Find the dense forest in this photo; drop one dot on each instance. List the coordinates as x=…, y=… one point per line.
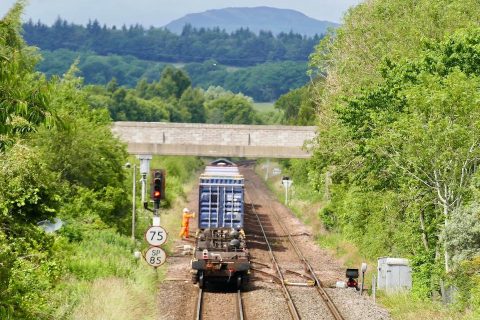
x=240, y=48
x=397, y=153
x=263, y=82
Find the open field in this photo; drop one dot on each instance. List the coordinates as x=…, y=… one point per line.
x=264, y=106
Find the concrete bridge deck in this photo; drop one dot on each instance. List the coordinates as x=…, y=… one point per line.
x=215, y=140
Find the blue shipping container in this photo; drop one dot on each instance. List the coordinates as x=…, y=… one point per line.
x=220, y=202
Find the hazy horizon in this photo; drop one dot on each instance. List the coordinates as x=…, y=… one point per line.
x=159, y=13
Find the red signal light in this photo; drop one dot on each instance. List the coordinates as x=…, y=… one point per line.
x=158, y=186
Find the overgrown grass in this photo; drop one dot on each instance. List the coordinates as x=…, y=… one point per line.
x=103, y=278
x=404, y=307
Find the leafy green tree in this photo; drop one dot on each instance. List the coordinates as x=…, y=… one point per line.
x=24, y=95
x=29, y=194
x=193, y=101
x=173, y=82
x=43, y=169
x=377, y=30
x=230, y=108
x=297, y=107
x=462, y=233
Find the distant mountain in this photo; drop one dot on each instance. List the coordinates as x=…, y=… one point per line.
x=256, y=19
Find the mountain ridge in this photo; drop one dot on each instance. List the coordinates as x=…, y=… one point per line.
x=256, y=19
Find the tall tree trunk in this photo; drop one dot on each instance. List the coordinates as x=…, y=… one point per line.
x=445, y=251
x=424, y=232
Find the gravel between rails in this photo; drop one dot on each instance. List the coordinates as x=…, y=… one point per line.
x=219, y=303
x=309, y=305
x=263, y=300
x=306, y=299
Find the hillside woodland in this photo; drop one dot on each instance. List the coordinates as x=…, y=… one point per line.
x=239, y=48
x=263, y=82
x=260, y=65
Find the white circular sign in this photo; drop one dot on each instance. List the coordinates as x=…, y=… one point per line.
x=156, y=236
x=287, y=183
x=155, y=256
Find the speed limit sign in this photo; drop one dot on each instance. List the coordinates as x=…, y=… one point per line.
x=156, y=236
x=155, y=256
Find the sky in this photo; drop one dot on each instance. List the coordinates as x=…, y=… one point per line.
x=160, y=12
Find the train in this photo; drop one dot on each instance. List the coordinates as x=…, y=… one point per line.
x=220, y=251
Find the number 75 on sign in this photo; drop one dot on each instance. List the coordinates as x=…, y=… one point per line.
x=156, y=236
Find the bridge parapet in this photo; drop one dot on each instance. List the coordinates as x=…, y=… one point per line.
x=216, y=140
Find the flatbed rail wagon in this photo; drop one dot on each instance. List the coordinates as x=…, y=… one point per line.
x=220, y=251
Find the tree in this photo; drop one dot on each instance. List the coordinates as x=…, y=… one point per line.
x=297, y=107
x=193, y=100
x=230, y=108
x=173, y=82
x=30, y=192
x=24, y=95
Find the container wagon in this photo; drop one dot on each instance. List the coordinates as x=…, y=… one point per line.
x=220, y=251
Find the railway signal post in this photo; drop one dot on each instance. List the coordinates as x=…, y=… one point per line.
x=156, y=235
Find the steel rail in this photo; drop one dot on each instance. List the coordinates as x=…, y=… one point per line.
x=291, y=306
x=198, y=312
x=318, y=284
x=239, y=305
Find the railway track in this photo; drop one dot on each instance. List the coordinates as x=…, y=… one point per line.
x=317, y=285
x=204, y=296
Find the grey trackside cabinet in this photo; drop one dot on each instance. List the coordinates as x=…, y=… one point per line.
x=394, y=274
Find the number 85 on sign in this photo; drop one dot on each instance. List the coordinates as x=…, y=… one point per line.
x=155, y=256
x=156, y=236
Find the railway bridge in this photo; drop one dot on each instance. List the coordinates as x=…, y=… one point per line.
x=215, y=140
